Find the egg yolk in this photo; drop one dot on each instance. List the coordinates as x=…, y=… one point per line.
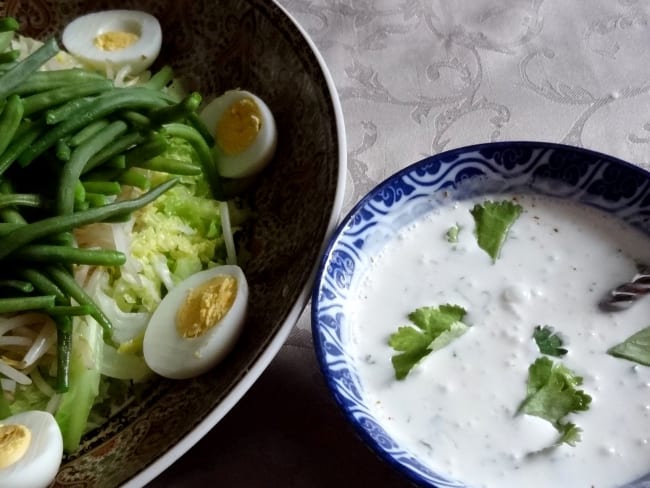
x=114, y=41
x=239, y=126
x=14, y=441
x=205, y=306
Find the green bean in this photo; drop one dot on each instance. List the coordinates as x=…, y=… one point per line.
x=10, y=215
x=160, y=79
x=63, y=151
x=79, y=193
x=154, y=146
x=104, y=173
x=72, y=169
x=103, y=187
x=19, y=145
x=24, y=286
x=5, y=40
x=133, y=177
x=136, y=119
x=47, y=80
x=21, y=199
x=63, y=351
x=69, y=310
x=42, y=283
x=135, y=98
x=171, y=166
x=46, y=253
x=74, y=290
x=120, y=145
x=10, y=118
x=88, y=131
x=204, y=153
x=6, y=227
x=195, y=121
x=178, y=111
x=96, y=199
x=79, y=206
x=21, y=304
x=8, y=24
x=61, y=95
x=9, y=56
x=61, y=223
x=19, y=73
x=58, y=114
x=117, y=162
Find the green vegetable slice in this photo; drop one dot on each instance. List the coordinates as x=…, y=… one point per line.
x=493, y=221
x=552, y=394
x=548, y=342
x=436, y=327
x=635, y=348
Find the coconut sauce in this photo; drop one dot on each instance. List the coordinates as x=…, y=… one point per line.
x=456, y=410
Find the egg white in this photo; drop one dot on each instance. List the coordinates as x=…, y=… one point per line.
x=172, y=356
x=40, y=463
x=78, y=39
x=254, y=158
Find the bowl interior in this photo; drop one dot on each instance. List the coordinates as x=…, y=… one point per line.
x=214, y=46
x=579, y=175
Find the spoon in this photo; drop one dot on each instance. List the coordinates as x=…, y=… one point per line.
x=623, y=296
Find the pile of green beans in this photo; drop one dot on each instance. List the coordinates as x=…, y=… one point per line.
x=69, y=141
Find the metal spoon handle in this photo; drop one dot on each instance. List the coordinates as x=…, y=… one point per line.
x=623, y=296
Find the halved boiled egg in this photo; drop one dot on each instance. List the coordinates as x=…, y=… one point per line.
x=244, y=131
x=197, y=323
x=31, y=447
x=112, y=39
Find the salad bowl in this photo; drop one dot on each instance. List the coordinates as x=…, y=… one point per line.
x=214, y=46
x=383, y=220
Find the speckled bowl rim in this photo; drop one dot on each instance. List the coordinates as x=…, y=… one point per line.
x=262, y=362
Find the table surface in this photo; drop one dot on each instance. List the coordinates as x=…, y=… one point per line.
x=417, y=77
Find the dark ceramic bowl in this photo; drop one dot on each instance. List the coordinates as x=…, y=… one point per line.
x=214, y=46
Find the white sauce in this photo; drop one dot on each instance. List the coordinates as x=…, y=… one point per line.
x=456, y=408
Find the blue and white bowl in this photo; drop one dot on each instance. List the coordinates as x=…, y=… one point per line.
x=562, y=171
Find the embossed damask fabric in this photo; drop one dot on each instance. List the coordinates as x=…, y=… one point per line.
x=417, y=77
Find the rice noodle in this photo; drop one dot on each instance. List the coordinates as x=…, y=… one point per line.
x=15, y=341
x=8, y=385
x=8, y=324
x=228, y=239
x=41, y=384
x=14, y=374
x=53, y=403
x=43, y=342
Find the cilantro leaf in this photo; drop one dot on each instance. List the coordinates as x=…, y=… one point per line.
x=548, y=342
x=569, y=434
x=635, y=348
x=552, y=394
x=436, y=327
x=452, y=233
x=493, y=221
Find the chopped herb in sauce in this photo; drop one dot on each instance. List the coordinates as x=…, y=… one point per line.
x=493, y=221
x=635, y=348
x=548, y=341
x=435, y=328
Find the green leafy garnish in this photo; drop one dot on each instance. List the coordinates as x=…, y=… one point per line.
x=635, y=348
x=552, y=394
x=452, y=233
x=436, y=327
x=548, y=342
x=493, y=221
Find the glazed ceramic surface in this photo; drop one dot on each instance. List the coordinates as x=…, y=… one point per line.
x=561, y=171
x=214, y=46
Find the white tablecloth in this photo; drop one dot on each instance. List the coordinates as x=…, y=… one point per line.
x=417, y=77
